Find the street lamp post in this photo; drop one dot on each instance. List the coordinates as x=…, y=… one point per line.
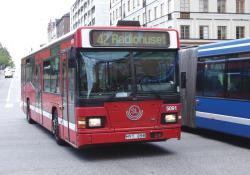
x=145, y=7
x=121, y=11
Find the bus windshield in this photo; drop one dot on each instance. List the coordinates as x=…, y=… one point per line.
x=123, y=73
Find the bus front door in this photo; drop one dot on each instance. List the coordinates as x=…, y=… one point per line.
x=39, y=93
x=65, y=113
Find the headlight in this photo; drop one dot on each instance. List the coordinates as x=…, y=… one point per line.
x=95, y=122
x=168, y=118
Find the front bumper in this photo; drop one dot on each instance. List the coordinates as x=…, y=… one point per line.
x=118, y=137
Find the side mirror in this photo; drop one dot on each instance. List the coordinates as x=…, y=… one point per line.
x=72, y=57
x=72, y=53
x=183, y=80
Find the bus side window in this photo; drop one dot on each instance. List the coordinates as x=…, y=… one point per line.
x=214, y=79
x=238, y=77
x=55, y=71
x=46, y=76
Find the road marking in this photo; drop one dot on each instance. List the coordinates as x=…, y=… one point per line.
x=8, y=104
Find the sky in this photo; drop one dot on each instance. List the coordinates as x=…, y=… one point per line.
x=23, y=23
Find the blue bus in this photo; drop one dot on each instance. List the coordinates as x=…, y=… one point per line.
x=217, y=94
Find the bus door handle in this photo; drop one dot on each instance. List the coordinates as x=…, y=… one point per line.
x=61, y=107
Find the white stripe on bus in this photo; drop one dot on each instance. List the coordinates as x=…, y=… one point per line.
x=48, y=115
x=224, y=47
x=226, y=118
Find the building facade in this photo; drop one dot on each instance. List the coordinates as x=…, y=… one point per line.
x=198, y=21
x=58, y=27
x=89, y=13
x=51, y=30
x=63, y=25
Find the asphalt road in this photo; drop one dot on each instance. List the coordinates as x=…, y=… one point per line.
x=30, y=149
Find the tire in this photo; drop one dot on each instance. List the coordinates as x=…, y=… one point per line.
x=28, y=114
x=55, y=129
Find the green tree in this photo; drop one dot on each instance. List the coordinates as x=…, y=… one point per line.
x=5, y=58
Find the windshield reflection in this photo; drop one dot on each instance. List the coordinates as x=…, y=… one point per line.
x=111, y=74
x=105, y=72
x=155, y=71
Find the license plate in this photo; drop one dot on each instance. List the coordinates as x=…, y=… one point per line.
x=135, y=136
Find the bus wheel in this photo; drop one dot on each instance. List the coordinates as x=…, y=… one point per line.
x=55, y=128
x=28, y=113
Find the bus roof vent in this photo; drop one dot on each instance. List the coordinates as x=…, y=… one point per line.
x=128, y=23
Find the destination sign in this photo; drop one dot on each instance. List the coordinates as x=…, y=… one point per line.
x=142, y=39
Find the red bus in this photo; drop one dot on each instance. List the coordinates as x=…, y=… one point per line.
x=100, y=85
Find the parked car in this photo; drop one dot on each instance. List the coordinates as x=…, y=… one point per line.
x=8, y=73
